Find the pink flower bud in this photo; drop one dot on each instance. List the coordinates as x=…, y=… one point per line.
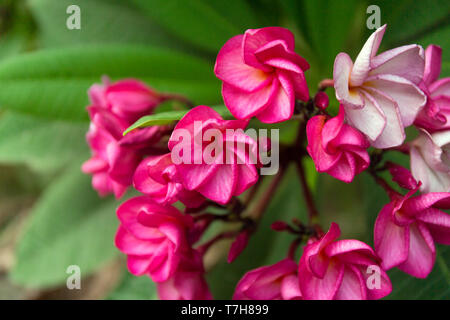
x=238, y=245
x=336, y=148
x=402, y=176
x=262, y=75
x=321, y=100
x=338, y=270
x=279, y=226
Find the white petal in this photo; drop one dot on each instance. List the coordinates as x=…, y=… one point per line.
x=362, y=62
x=409, y=98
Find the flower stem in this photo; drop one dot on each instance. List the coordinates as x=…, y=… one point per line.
x=313, y=213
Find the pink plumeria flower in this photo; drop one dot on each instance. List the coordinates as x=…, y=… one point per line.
x=341, y=270
x=262, y=75
x=111, y=165
x=406, y=229
x=231, y=171
x=128, y=99
x=430, y=161
x=336, y=148
x=188, y=282
x=153, y=236
x=274, y=282
x=380, y=93
x=157, y=177
x=436, y=114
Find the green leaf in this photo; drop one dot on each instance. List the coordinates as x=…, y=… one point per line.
x=168, y=117
x=101, y=22
x=38, y=143
x=69, y=225
x=409, y=20
x=266, y=246
x=435, y=287
x=134, y=288
x=53, y=83
x=207, y=24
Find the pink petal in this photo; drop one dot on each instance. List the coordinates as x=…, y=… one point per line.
x=393, y=133
x=314, y=288
x=346, y=246
x=433, y=56
x=409, y=98
x=130, y=245
x=222, y=185
x=277, y=55
x=244, y=105
x=281, y=106
x=438, y=223
x=230, y=67
x=362, y=64
x=341, y=75
x=138, y=265
x=239, y=244
x=290, y=289
x=421, y=252
x=440, y=88
x=256, y=38
x=353, y=286
x=406, y=62
x=370, y=120
x=391, y=241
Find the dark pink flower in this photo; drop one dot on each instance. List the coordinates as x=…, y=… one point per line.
x=153, y=236
x=274, y=282
x=188, y=282
x=220, y=166
x=128, y=99
x=262, y=75
x=341, y=270
x=406, y=229
x=115, y=157
x=157, y=177
x=336, y=148
x=436, y=114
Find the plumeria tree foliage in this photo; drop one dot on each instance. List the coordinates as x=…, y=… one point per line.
x=355, y=210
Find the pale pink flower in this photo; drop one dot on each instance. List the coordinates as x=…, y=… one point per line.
x=380, y=93
x=274, y=282
x=406, y=229
x=188, y=282
x=157, y=177
x=339, y=270
x=436, y=114
x=336, y=148
x=430, y=161
x=262, y=75
x=233, y=168
x=154, y=237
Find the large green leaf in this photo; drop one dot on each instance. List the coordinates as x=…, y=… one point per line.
x=39, y=143
x=101, y=22
x=53, y=83
x=207, y=24
x=134, y=288
x=69, y=225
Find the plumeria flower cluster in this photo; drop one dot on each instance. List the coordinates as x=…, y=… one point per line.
x=162, y=231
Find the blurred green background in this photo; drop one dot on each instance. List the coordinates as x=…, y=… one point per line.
x=51, y=218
